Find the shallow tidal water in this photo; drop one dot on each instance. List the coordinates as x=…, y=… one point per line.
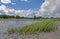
x=5, y=24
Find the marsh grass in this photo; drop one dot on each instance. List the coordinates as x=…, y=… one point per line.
x=45, y=25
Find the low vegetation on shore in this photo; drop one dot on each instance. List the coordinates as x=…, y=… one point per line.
x=4, y=16
x=45, y=25
x=12, y=16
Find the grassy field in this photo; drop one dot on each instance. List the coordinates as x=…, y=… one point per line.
x=45, y=25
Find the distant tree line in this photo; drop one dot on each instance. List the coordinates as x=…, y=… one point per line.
x=38, y=17
x=12, y=16
x=8, y=16
x=19, y=17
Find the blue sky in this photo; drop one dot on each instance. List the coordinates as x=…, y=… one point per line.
x=24, y=5
x=29, y=8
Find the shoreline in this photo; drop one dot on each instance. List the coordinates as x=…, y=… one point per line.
x=43, y=35
x=13, y=19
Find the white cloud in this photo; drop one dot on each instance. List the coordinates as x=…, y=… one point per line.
x=23, y=12
x=6, y=1
x=9, y=11
x=50, y=7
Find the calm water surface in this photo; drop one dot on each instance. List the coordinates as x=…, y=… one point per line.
x=5, y=24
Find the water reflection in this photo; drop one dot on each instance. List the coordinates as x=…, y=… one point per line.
x=13, y=24
x=5, y=24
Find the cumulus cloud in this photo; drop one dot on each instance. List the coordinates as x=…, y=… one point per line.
x=24, y=13
x=50, y=8
x=9, y=11
x=6, y=1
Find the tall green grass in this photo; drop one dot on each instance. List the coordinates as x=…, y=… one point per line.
x=45, y=25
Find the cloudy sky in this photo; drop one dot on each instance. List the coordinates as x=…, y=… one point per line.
x=29, y=8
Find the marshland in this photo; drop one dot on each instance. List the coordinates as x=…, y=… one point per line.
x=29, y=28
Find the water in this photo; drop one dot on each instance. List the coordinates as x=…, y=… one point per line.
x=5, y=24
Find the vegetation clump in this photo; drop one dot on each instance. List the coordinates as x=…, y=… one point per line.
x=46, y=25
x=17, y=17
